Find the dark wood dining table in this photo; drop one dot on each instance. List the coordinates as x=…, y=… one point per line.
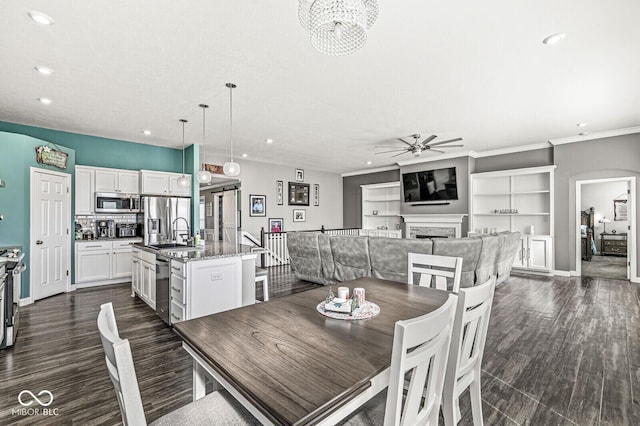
x=289, y=364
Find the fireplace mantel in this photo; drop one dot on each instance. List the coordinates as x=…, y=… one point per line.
x=437, y=225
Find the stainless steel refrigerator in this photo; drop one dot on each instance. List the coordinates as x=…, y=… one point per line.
x=166, y=219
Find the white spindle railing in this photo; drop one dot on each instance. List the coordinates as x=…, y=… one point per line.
x=276, y=249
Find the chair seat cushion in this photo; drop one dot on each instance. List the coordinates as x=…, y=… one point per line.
x=217, y=408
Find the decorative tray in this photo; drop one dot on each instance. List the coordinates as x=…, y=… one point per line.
x=367, y=310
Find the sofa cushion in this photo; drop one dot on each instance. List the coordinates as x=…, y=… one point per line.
x=305, y=256
x=509, y=243
x=466, y=248
x=351, y=257
x=389, y=256
x=487, y=263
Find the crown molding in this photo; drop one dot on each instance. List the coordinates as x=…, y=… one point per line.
x=598, y=135
x=439, y=157
x=511, y=150
x=369, y=171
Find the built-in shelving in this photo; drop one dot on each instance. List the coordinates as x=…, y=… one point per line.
x=381, y=206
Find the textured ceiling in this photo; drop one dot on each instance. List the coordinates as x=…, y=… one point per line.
x=476, y=70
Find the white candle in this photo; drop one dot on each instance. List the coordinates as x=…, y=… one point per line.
x=343, y=292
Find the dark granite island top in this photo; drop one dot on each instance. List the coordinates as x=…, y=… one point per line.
x=210, y=250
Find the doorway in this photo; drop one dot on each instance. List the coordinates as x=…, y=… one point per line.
x=50, y=240
x=605, y=243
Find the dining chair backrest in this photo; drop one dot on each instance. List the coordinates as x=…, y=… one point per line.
x=420, y=347
x=467, y=347
x=435, y=271
x=121, y=370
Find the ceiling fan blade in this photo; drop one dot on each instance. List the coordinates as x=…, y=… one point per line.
x=403, y=141
x=443, y=142
x=399, y=154
x=393, y=150
x=434, y=150
x=427, y=140
x=451, y=146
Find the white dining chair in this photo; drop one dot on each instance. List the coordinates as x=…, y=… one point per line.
x=217, y=408
x=434, y=271
x=262, y=275
x=467, y=347
x=420, y=350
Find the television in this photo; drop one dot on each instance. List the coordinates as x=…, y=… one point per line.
x=430, y=185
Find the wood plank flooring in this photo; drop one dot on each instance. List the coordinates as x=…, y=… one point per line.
x=560, y=351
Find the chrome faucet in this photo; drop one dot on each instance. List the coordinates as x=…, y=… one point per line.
x=175, y=232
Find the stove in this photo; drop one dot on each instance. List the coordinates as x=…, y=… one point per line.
x=11, y=262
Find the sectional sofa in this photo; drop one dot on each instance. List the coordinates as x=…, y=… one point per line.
x=329, y=259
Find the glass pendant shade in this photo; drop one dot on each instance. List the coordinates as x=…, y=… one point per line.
x=337, y=27
x=183, y=181
x=203, y=175
x=231, y=168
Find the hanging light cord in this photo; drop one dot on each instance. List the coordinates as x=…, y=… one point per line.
x=204, y=107
x=183, y=121
x=231, y=120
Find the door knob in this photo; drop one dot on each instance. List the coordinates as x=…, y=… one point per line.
x=39, y=242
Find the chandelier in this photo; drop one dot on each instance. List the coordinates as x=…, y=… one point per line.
x=337, y=27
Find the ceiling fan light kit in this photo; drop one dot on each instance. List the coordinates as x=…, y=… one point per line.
x=417, y=148
x=337, y=27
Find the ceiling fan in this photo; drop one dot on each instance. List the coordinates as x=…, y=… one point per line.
x=417, y=148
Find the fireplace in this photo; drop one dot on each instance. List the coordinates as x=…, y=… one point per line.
x=433, y=225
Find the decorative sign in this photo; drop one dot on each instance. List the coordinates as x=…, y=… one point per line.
x=46, y=155
x=215, y=169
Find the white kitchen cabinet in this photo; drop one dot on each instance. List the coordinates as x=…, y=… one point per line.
x=143, y=282
x=104, y=262
x=163, y=183
x=85, y=189
x=148, y=288
x=116, y=180
x=534, y=254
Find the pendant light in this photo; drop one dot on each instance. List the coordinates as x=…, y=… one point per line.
x=231, y=168
x=204, y=176
x=183, y=181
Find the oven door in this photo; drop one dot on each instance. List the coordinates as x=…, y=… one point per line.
x=117, y=203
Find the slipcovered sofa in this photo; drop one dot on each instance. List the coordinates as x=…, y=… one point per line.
x=329, y=259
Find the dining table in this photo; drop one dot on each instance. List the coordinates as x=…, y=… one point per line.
x=289, y=364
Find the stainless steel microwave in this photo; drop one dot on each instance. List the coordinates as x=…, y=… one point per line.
x=107, y=202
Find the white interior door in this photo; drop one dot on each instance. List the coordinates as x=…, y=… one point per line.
x=229, y=217
x=50, y=241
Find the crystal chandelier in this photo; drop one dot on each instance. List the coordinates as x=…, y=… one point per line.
x=337, y=27
x=231, y=168
x=204, y=176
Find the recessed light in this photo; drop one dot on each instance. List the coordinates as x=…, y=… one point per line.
x=244, y=155
x=41, y=18
x=581, y=124
x=45, y=101
x=268, y=140
x=368, y=163
x=146, y=132
x=44, y=70
x=554, y=38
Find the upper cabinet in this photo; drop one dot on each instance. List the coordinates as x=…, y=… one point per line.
x=120, y=181
x=163, y=183
x=85, y=184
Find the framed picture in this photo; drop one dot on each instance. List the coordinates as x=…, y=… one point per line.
x=258, y=205
x=276, y=224
x=299, y=175
x=299, y=215
x=620, y=210
x=280, y=192
x=298, y=194
x=316, y=194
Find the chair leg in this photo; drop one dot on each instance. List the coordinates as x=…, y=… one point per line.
x=448, y=410
x=476, y=400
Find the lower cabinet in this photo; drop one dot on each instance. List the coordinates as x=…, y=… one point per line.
x=103, y=262
x=534, y=253
x=143, y=279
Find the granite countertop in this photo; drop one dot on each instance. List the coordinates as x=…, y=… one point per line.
x=211, y=250
x=101, y=240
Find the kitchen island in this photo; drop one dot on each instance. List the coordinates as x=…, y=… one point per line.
x=183, y=283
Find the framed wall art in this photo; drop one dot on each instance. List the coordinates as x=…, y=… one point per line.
x=299, y=215
x=276, y=224
x=299, y=175
x=257, y=205
x=298, y=194
x=316, y=194
x=620, y=210
x=280, y=192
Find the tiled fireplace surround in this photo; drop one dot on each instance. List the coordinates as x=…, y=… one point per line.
x=433, y=225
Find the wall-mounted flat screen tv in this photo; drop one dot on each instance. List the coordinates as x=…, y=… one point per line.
x=430, y=185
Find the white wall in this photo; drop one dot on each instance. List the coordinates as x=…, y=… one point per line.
x=600, y=196
x=260, y=179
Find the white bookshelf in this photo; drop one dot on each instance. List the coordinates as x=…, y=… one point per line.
x=381, y=207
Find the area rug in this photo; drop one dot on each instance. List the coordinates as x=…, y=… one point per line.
x=613, y=267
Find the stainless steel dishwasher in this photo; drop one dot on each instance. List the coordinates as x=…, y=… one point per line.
x=162, y=287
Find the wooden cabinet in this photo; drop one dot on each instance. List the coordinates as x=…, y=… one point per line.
x=85, y=189
x=162, y=183
x=143, y=282
x=115, y=180
x=534, y=254
x=381, y=208
x=613, y=244
x=104, y=262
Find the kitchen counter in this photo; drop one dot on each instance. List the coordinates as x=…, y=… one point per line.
x=211, y=250
x=100, y=240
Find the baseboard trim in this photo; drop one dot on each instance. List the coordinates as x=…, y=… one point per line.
x=101, y=283
x=635, y=280
x=559, y=273
x=26, y=301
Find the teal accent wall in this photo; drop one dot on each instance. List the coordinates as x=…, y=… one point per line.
x=103, y=152
x=17, y=156
x=192, y=165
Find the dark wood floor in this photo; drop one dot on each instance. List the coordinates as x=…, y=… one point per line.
x=559, y=351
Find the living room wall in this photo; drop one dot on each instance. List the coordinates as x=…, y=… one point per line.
x=352, y=194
